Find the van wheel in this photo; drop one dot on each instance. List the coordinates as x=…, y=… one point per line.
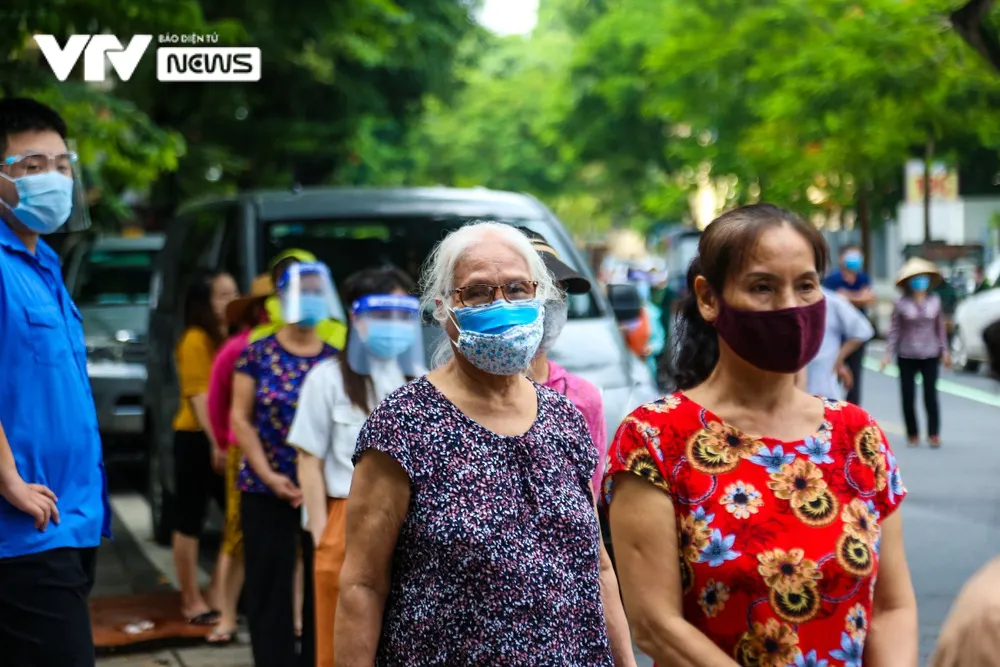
x=161, y=501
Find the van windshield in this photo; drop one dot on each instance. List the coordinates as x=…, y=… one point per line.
x=112, y=291
x=349, y=245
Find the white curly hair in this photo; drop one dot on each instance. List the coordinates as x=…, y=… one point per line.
x=438, y=279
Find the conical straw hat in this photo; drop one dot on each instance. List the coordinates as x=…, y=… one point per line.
x=918, y=266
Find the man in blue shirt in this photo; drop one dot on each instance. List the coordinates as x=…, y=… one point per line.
x=851, y=282
x=54, y=507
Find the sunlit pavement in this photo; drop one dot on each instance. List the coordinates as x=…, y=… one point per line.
x=951, y=514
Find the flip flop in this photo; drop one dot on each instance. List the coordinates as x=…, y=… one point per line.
x=222, y=637
x=205, y=618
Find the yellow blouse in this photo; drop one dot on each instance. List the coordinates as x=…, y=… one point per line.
x=194, y=355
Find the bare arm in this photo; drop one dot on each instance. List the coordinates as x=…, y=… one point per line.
x=614, y=612
x=313, y=493
x=862, y=298
x=644, y=531
x=376, y=508
x=33, y=499
x=893, y=634
x=199, y=404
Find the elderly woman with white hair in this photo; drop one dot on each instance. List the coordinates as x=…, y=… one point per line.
x=472, y=535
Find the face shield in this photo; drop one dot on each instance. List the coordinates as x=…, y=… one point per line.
x=386, y=327
x=305, y=292
x=44, y=192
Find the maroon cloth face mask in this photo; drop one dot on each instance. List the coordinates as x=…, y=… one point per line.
x=779, y=341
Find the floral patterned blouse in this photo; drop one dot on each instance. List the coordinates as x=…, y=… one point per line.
x=279, y=375
x=498, y=559
x=778, y=541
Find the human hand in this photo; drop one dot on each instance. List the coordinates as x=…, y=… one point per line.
x=285, y=489
x=34, y=499
x=885, y=362
x=946, y=358
x=218, y=460
x=845, y=376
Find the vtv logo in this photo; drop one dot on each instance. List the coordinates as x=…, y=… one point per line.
x=62, y=60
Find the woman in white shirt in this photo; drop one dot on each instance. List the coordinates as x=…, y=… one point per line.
x=382, y=353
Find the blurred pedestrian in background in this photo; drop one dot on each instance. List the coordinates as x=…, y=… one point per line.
x=472, y=536
x=199, y=463
x=851, y=282
x=584, y=395
x=847, y=330
x=54, y=507
x=980, y=282
x=778, y=549
x=919, y=341
x=269, y=376
x=384, y=351
x=970, y=636
x=242, y=315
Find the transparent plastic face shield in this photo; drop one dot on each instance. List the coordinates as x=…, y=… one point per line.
x=33, y=163
x=386, y=327
x=305, y=292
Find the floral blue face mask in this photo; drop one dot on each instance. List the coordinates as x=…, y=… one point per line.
x=502, y=338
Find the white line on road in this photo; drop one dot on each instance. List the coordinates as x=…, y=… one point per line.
x=944, y=386
x=133, y=511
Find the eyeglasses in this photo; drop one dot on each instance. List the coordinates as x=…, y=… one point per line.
x=27, y=164
x=481, y=295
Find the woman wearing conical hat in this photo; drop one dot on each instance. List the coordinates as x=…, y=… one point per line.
x=918, y=340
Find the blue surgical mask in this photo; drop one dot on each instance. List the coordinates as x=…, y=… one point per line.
x=502, y=338
x=45, y=201
x=854, y=261
x=496, y=317
x=313, y=309
x=920, y=283
x=388, y=339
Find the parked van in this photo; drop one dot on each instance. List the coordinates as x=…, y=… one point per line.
x=351, y=229
x=109, y=278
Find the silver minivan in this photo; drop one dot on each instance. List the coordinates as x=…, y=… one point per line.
x=351, y=229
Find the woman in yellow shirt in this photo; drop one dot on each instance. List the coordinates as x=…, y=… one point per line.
x=198, y=461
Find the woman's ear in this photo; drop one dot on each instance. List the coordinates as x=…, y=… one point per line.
x=708, y=303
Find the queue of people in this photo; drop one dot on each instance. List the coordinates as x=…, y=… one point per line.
x=451, y=516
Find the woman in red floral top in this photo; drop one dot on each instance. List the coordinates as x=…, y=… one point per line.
x=783, y=550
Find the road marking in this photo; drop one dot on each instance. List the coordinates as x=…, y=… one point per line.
x=133, y=511
x=945, y=386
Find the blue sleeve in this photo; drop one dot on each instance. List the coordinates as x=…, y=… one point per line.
x=863, y=281
x=248, y=362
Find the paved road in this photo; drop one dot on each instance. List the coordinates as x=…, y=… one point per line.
x=952, y=514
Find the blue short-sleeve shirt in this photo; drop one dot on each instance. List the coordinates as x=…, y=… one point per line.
x=46, y=405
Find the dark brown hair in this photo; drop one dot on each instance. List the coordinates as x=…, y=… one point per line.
x=368, y=281
x=198, y=307
x=724, y=248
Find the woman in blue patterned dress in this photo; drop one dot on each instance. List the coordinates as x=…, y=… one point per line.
x=472, y=536
x=266, y=385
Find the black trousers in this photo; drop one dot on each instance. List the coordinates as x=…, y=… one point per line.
x=272, y=535
x=928, y=370
x=44, y=613
x=854, y=362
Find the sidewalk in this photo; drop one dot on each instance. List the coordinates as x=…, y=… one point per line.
x=209, y=656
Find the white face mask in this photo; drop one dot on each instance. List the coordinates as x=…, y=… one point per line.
x=556, y=314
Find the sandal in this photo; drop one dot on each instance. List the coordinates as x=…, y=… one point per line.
x=219, y=637
x=205, y=618
x=934, y=442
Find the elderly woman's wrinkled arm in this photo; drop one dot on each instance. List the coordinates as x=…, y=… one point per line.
x=893, y=633
x=376, y=508
x=644, y=532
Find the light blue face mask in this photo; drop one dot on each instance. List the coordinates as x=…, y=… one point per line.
x=854, y=261
x=45, y=201
x=388, y=339
x=496, y=317
x=920, y=283
x=313, y=309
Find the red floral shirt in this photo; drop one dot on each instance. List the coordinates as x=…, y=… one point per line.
x=778, y=541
